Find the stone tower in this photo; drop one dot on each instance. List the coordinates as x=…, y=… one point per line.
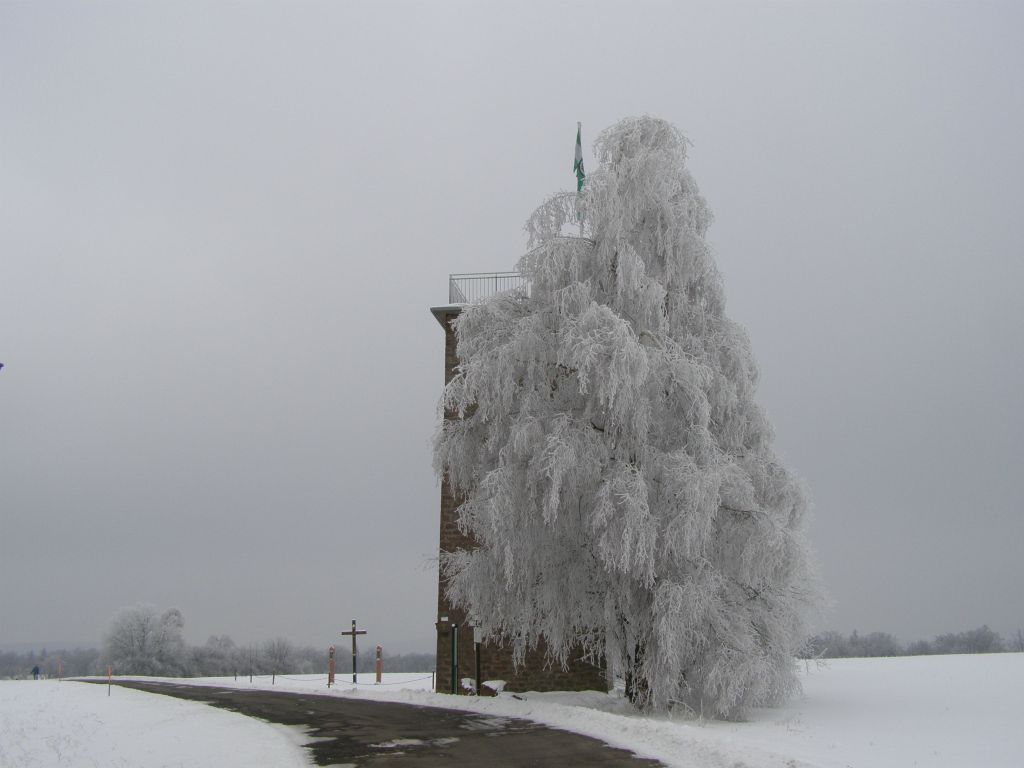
x=455, y=638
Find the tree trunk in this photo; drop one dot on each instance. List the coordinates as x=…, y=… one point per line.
x=638, y=689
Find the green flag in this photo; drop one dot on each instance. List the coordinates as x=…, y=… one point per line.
x=577, y=165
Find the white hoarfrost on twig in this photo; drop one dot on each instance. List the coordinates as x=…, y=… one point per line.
x=609, y=456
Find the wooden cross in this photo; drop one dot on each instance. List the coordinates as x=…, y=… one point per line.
x=354, y=632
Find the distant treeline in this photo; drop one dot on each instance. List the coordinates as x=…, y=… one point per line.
x=75, y=663
x=833, y=645
x=219, y=657
x=142, y=641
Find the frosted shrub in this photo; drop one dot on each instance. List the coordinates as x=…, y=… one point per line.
x=610, y=458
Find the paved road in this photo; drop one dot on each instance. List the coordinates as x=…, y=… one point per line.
x=373, y=734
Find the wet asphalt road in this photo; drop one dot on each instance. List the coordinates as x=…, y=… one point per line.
x=351, y=732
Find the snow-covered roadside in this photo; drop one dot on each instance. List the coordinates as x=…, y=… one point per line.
x=601, y=716
x=936, y=711
x=47, y=723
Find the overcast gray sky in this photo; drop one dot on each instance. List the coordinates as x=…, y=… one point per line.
x=222, y=226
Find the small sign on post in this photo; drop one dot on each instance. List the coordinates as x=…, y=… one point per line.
x=478, y=639
x=455, y=658
x=330, y=666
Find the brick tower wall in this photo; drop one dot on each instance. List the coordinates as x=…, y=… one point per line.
x=495, y=660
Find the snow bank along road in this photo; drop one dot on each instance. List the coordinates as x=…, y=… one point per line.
x=927, y=711
x=51, y=724
x=375, y=733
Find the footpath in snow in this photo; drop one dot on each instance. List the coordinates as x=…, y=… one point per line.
x=936, y=711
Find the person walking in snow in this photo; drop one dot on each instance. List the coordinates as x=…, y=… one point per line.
x=35, y=672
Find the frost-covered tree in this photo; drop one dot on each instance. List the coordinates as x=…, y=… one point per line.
x=278, y=654
x=215, y=658
x=610, y=458
x=141, y=641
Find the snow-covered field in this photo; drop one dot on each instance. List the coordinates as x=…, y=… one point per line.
x=49, y=723
x=936, y=711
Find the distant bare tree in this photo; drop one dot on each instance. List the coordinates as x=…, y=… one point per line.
x=832, y=645
x=879, y=644
x=980, y=640
x=828, y=645
x=248, y=660
x=920, y=648
x=401, y=662
x=216, y=658
x=142, y=642
x=277, y=654
x=1017, y=643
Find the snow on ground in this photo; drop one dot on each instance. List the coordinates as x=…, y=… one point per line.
x=47, y=723
x=934, y=711
x=914, y=711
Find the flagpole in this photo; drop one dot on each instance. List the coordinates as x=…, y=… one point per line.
x=579, y=132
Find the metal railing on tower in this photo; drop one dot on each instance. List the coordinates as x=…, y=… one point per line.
x=471, y=287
